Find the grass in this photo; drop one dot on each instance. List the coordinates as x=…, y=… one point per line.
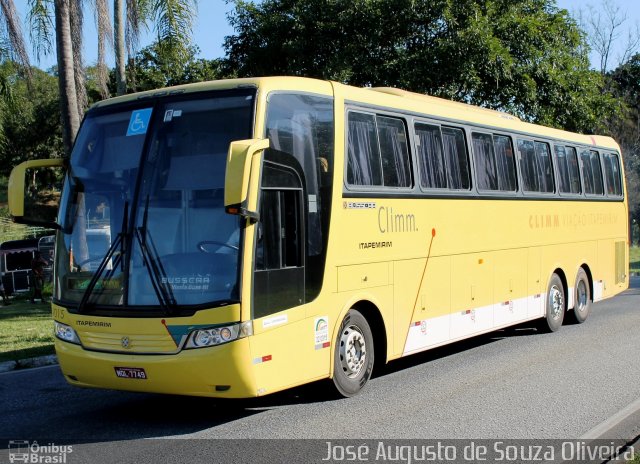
x=26, y=330
x=634, y=260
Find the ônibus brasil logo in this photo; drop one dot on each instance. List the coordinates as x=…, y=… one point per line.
x=32, y=452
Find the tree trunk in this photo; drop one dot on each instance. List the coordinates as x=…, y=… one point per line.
x=118, y=46
x=66, y=79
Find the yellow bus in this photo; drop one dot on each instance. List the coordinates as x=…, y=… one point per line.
x=258, y=234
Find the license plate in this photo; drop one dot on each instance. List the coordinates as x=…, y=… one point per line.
x=131, y=373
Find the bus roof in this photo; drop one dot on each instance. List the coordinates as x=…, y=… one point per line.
x=386, y=97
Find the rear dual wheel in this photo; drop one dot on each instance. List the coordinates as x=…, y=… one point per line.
x=582, y=303
x=555, y=306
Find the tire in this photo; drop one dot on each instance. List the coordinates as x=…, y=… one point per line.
x=582, y=304
x=353, y=354
x=555, y=306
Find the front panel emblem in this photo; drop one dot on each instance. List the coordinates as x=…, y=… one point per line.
x=125, y=342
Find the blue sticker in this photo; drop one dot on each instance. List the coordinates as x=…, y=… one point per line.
x=139, y=122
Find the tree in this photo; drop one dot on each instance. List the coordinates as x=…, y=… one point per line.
x=34, y=105
x=172, y=19
x=66, y=73
x=11, y=39
x=605, y=27
x=160, y=65
x=526, y=57
x=66, y=27
x=626, y=128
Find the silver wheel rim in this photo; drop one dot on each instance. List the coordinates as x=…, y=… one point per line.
x=556, y=302
x=581, y=296
x=353, y=351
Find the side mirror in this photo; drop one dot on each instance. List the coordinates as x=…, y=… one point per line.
x=34, y=191
x=242, y=154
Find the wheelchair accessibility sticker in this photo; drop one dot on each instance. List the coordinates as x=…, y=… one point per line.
x=139, y=122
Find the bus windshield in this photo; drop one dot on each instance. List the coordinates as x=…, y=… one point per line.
x=142, y=214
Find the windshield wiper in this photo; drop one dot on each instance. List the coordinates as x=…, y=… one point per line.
x=151, y=259
x=120, y=243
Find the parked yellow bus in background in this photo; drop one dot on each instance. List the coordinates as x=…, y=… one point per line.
x=258, y=234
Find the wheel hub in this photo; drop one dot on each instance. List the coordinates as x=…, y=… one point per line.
x=556, y=302
x=353, y=351
x=581, y=302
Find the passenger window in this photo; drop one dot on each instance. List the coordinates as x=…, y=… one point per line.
x=396, y=167
x=535, y=166
x=591, y=172
x=457, y=160
x=430, y=156
x=363, y=166
x=442, y=156
x=494, y=162
x=612, y=174
x=378, y=152
x=568, y=172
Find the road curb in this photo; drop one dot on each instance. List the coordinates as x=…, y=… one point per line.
x=40, y=361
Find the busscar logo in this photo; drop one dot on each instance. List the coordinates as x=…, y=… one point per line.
x=32, y=452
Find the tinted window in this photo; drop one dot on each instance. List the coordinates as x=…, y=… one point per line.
x=612, y=174
x=535, y=166
x=301, y=135
x=494, y=162
x=568, y=172
x=430, y=156
x=591, y=172
x=442, y=155
x=378, y=152
x=364, y=166
x=396, y=167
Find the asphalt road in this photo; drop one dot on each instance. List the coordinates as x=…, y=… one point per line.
x=514, y=383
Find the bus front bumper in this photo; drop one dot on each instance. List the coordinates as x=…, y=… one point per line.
x=223, y=371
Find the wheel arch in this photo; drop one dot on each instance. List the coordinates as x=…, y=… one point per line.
x=371, y=312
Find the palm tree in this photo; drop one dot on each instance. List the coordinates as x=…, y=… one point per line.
x=69, y=109
x=172, y=19
x=66, y=22
x=11, y=39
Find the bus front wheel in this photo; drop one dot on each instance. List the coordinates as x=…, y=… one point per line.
x=555, y=305
x=353, y=354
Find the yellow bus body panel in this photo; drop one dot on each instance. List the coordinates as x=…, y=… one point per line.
x=436, y=270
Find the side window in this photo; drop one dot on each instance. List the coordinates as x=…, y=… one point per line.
x=430, y=156
x=377, y=150
x=612, y=174
x=455, y=151
x=568, y=172
x=363, y=166
x=442, y=155
x=535, y=166
x=591, y=172
x=494, y=162
x=396, y=167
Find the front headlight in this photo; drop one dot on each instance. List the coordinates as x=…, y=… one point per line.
x=66, y=333
x=213, y=336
